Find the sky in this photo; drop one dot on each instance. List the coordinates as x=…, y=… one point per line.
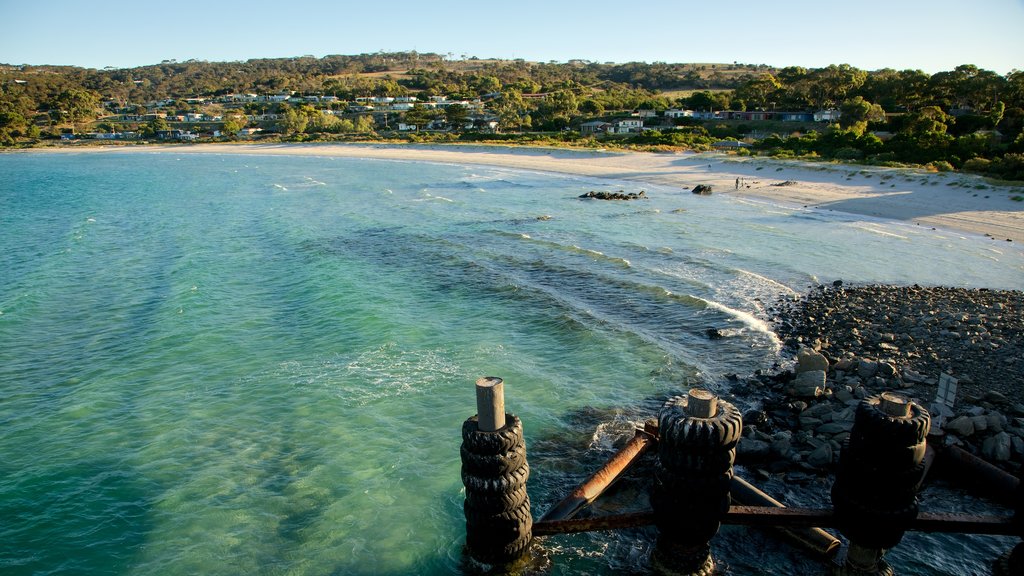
x=929, y=35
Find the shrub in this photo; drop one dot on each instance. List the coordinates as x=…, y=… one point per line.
x=979, y=165
x=848, y=153
x=940, y=166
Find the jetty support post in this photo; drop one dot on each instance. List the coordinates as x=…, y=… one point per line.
x=880, y=470
x=499, y=522
x=690, y=495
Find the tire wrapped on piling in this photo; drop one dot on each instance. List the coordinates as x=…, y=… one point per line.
x=690, y=493
x=499, y=523
x=880, y=470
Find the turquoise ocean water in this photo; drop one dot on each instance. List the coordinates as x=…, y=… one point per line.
x=245, y=364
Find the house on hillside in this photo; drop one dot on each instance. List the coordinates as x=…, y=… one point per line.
x=627, y=126
x=594, y=127
x=795, y=116
x=677, y=113
x=826, y=115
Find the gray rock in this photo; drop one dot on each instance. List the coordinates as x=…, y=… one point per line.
x=821, y=456
x=886, y=370
x=809, y=360
x=980, y=423
x=844, y=394
x=912, y=377
x=962, y=426
x=1018, y=445
x=996, y=421
x=997, y=447
x=749, y=449
x=846, y=364
x=866, y=369
x=809, y=384
x=832, y=428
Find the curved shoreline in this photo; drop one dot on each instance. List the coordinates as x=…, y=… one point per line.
x=943, y=200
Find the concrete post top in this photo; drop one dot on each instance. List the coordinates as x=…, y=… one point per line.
x=701, y=403
x=894, y=405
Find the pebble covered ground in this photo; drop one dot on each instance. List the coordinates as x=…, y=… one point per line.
x=853, y=342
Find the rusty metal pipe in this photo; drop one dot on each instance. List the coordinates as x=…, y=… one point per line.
x=613, y=522
x=810, y=538
x=794, y=518
x=987, y=478
x=594, y=486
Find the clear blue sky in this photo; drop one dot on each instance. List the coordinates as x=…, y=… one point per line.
x=931, y=35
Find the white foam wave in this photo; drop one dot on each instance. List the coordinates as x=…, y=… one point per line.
x=872, y=229
x=747, y=319
x=767, y=280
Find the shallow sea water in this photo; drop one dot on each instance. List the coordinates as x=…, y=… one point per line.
x=228, y=364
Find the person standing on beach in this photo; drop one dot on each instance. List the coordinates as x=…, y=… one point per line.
x=737, y=183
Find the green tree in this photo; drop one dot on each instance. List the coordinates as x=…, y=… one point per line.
x=511, y=110
x=760, y=91
x=233, y=123
x=456, y=115
x=928, y=120
x=158, y=123
x=364, y=124
x=591, y=107
x=75, y=105
x=856, y=112
x=294, y=121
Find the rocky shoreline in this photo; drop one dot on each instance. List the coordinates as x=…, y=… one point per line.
x=854, y=342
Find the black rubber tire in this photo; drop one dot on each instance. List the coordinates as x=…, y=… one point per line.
x=503, y=483
x=884, y=456
x=692, y=485
x=494, y=464
x=496, y=502
x=483, y=549
x=484, y=519
x=869, y=476
x=682, y=431
x=877, y=427
x=869, y=524
x=491, y=443
x=682, y=462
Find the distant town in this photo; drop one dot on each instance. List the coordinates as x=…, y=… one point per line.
x=965, y=119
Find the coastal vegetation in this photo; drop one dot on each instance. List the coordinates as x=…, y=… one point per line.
x=967, y=119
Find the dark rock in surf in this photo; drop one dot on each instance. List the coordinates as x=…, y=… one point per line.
x=702, y=189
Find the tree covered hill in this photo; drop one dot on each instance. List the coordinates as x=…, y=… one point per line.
x=958, y=116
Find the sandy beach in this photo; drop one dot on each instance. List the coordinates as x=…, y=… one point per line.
x=941, y=200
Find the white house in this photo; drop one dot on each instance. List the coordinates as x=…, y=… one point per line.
x=627, y=125
x=677, y=113
x=826, y=115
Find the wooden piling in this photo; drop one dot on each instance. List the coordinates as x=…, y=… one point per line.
x=490, y=403
x=701, y=403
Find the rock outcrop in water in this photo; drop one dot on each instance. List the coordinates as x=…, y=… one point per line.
x=851, y=343
x=620, y=195
x=702, y=189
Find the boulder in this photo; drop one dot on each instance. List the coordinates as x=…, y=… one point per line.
x=809, y=384
x=750, y=450
x=809, y=360
x=961, y=426
x=702, y=189
x=997, y=447
x=821, y=456
x=833, y=428
x=866, y=369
